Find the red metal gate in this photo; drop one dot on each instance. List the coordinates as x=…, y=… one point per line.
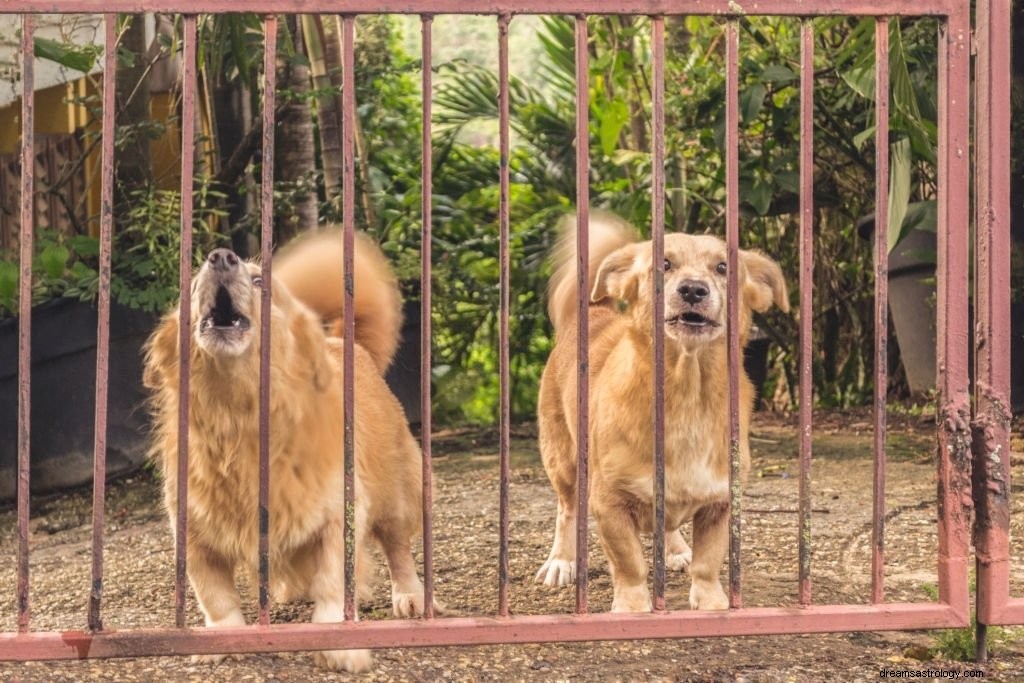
x=991, y=427
x=954, y=406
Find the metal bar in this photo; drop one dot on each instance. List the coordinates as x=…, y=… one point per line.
x=26, y=244
x=991, y=429
x=952, y=281
x=426, y=328
x=348, y=189
x=582, y=307
x=504, y=377
x=479, y=631
x=497, y=7
x=658, y=333
x=99, y=450
x=806, y=302
x=188, y=133
x=881, y=304
x=734, y=353
x=266, y=241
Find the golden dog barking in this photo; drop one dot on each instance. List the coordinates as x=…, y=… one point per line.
x=306, y=432
x=621, y=403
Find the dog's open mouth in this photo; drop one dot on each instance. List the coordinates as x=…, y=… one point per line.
x=224, y=316
x=692, y=320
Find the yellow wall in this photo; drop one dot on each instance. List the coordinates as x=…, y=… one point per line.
x=55, y=114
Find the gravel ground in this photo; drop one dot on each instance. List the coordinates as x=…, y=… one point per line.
x=139, y=572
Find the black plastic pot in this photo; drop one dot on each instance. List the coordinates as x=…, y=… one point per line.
x=403, y=377
x=63, y=395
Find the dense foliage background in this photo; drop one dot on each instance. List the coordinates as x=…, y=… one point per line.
x=542, y=163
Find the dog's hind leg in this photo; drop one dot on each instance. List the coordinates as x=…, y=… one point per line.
x=406, y=587
x=560, y=567
x=558, y=453
x=710, y=546
x=677, y=554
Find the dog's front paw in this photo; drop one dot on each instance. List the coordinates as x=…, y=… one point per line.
x=632, y=599
x=556, y=572
x=353, y=661
x=708, y=595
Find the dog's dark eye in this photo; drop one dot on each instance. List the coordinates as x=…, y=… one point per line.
x=257, y=280
x=721, y=268
x=668, y=265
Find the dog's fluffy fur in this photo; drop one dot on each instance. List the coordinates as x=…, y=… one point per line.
x=621, y=397
x=306, y=432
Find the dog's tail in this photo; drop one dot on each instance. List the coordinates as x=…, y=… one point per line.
x=607, y=233
x=311, y=268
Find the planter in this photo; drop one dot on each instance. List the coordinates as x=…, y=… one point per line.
x=912, y=302
x=755, y=363
x=912, y=306
x=63, y=395
x=403, y=376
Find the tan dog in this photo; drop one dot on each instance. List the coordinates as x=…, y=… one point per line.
x=621, y=468
x=306, y=433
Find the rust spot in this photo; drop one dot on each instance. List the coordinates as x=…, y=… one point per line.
x=79, y=641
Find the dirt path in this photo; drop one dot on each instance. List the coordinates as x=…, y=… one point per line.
x=139, y=572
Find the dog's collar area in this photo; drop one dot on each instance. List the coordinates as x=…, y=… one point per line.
x=224, y=315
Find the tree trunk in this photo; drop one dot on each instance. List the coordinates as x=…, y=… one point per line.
x=295, y=152
x=232, y=115
x=323, y=44
x=134, y=169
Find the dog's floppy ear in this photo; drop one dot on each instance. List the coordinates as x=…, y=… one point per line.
x=765, y=284
x=161, y=353
x=616, y=276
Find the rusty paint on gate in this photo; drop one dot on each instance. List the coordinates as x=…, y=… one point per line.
x=658, y=256
x=806, y=302
x=26, y=246
x=504, y=301
x=991, y=426
x=99, y=472
x=734, y=353
x=266, y=241
x=582, y=309
x=881, y=305
x=426, y=323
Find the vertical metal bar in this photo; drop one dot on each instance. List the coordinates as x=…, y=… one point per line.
x=952, y=282
x=348, y=102
x=26, y=243
x=991, y=437
x=658, y=333
x=881, y=303
x=99, y=457
x=188, y=133
x=266, y=240
x=426, y=328
x=806, y=300
x=735, y=357
x=582, y=306
x=504, y=303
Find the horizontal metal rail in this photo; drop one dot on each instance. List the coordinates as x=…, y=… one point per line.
x=799, y=8
x=478, y=631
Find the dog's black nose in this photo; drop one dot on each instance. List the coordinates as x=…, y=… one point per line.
x=223, y=260
x=693, y=291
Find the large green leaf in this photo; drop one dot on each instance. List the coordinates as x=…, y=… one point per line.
x=614, y=115
x=900, y=163
x=78, y=57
